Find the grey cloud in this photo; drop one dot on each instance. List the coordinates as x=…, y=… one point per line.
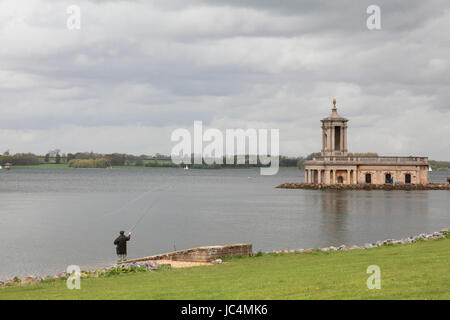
x=156, y=65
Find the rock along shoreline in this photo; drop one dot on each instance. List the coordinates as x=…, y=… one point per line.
x=421, y=237
x=387, y=187
x=116, y=269
x=149, y=266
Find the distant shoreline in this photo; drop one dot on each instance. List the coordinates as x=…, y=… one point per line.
x=66, y=166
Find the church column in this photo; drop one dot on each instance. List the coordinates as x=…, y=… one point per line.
x=309, y=175
x=333, y=176
x=341, y=139
x=355, y=177
x=332, y=139
x=328, y=139
x=345, y=139
x=306, y=176
x=324, y=141
x=327, y=176
x=347, y=181
x=319, y=178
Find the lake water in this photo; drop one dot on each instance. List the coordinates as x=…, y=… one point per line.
x=50, y=219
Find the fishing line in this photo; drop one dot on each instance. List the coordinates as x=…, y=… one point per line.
x=128, y=203
x=148, y=209
x=139, y=197
x=124, y=205
x=143, y=215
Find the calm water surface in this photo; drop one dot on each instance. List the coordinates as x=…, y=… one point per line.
x=50, y=219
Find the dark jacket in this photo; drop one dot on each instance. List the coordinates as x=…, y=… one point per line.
x=121, y=244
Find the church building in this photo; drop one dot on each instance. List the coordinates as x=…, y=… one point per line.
x=335, y=165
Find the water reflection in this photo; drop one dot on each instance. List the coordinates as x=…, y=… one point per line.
x=335, y=209
x=372, y=215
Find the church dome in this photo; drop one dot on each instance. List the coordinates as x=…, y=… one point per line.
x=334, y=116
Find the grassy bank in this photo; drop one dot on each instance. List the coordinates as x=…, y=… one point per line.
x=413, y=271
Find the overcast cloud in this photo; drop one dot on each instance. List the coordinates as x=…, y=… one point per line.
x=139, y=69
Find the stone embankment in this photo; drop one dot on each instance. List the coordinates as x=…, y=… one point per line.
x=421, y=237
x=388, y=187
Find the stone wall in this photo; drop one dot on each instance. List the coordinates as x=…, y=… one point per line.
x=388, y=187
x=419, y=174
x=329, y=173
x=202, y=254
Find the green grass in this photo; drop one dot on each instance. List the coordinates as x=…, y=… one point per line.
x=417, y=271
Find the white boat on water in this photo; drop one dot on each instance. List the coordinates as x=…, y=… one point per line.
x=186, y=168
x=429, y=169
x=1, y=167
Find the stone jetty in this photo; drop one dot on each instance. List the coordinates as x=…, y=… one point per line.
x=202, y=254
x=387, y=187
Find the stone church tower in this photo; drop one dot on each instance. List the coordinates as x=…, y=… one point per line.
x=335, y=165
x=334, y=134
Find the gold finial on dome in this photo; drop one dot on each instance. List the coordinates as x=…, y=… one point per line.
x=334, y=104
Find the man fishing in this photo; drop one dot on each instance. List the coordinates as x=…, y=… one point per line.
x=121, y=245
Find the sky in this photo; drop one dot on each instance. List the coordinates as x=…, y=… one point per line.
x=137, y=70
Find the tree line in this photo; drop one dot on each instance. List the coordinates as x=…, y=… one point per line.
x=99, y=160
x=19, y=159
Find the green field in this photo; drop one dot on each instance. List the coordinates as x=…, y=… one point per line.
x=413, y=271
